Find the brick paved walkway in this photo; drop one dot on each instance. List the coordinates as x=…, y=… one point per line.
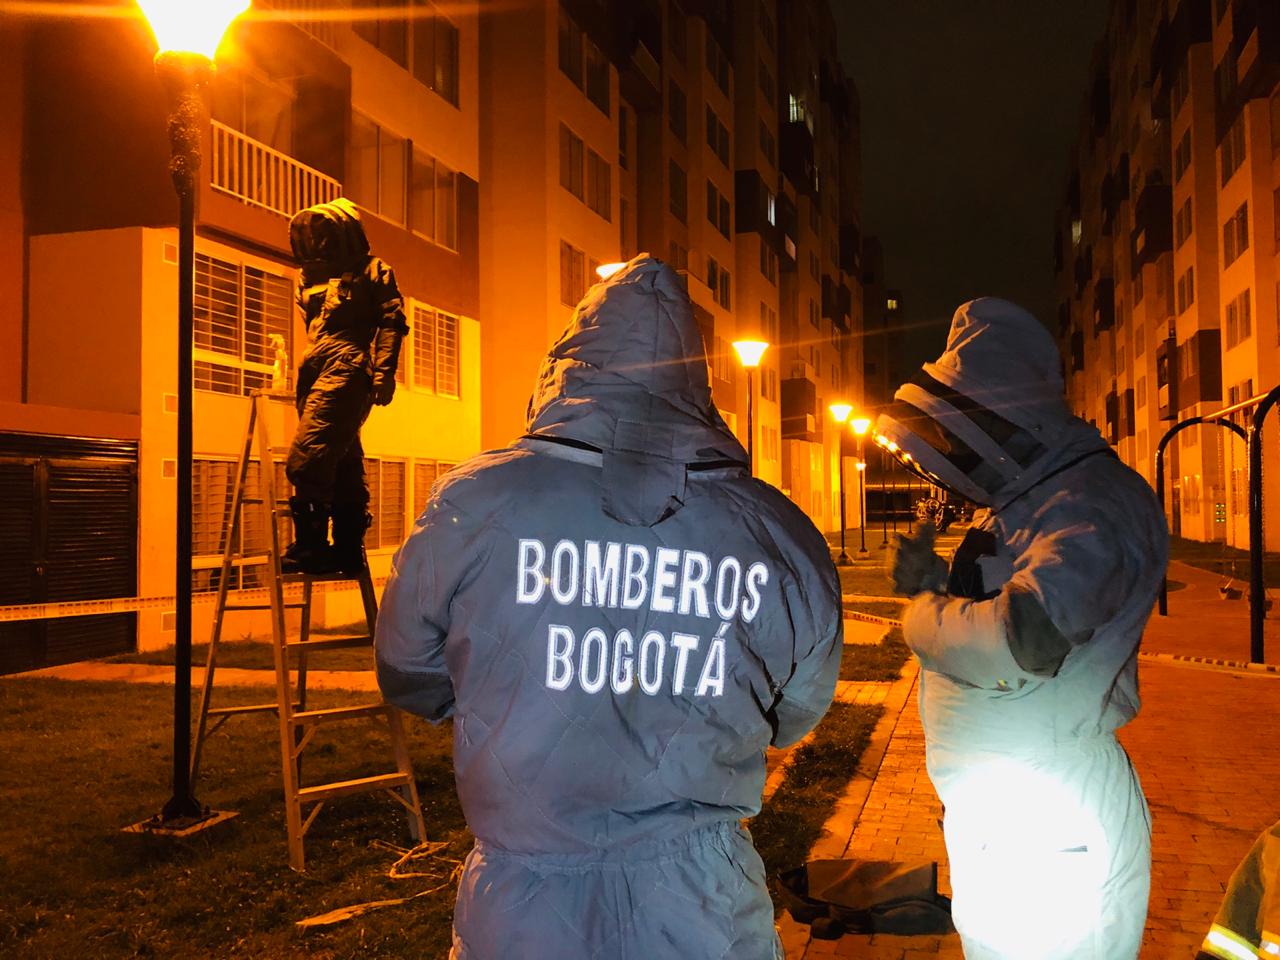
x=1205, y=748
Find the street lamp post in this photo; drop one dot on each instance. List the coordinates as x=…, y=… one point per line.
x=750, y=352
x=841, y=413
x=188, y=36
x=860, y=427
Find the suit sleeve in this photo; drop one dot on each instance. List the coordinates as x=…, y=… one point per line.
x=817, y=624
x=413, y=621
x=1072, y=579
x=391, y=326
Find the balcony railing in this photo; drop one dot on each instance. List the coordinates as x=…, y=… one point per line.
x=317, y=17
x=262, y=177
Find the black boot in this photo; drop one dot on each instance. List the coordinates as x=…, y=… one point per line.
x=310, y=551
x=350, y=521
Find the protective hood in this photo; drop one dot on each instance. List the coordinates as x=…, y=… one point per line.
x=628, y=377
x=328, y=240
x=986, y=420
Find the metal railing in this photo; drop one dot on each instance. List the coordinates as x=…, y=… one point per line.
x=318, y=17
x=262, y=177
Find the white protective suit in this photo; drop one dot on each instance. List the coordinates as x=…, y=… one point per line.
x=1029, y=650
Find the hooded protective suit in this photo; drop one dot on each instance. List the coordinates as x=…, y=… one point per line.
x=1029, y=646
x=355, y=321
x=619, y=619
x=1247, y=925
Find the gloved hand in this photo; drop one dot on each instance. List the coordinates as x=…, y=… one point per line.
x=915, y=567
x=384, y=388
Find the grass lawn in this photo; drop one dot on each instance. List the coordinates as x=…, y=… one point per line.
x=83, y=759
x=791, y=821
x=880, y=662
x=1220, y=558
x=255, y=654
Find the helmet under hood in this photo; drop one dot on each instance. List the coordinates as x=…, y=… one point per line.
x=328, y=240
x=980, y=421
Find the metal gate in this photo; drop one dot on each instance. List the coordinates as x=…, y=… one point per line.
x=68, y=531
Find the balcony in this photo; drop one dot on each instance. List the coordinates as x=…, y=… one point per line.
x=797, y=155
x=262, y=177
x=800, y=420
x=1256, y=30
x=316, y=17
x=1153, y=225
x=1104, y=305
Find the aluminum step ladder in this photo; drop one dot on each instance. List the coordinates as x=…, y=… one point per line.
x=297, y=723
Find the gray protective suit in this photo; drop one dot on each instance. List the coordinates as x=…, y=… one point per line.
x=619, y=619
x=1029, y=650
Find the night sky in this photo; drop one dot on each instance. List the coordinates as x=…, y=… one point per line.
x=969, y=110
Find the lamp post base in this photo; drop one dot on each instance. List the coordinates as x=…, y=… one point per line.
x=181, y=825
x=843, y=560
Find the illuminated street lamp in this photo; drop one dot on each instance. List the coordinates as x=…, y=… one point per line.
x=188, y=35
x=750, y=352
x=860, y=427
x=841, y=413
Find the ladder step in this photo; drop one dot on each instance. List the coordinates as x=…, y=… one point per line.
x=330, y=643
x=315, y=577
x=279, y=503
x=341, y=713
x=248, y=708
x=324, y=791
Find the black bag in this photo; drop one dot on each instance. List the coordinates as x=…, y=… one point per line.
x=866, y=896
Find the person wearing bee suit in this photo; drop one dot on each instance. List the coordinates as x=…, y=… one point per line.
x=355, y=322
x=619, y=619
x=1028, y=643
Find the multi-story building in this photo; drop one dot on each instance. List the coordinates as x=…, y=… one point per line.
x=721, y=137
x=499, y=154
x=1166, y=246
x=385, y=112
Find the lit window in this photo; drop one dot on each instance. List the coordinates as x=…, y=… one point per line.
x=239, y=309
x=385, y=479
x=435, y=351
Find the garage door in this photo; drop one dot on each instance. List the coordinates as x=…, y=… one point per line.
x=68, y=531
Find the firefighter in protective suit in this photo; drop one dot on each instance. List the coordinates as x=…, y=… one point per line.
x=1247, y=925
x=1028, y=645
x=355, y=322
x=620, y=620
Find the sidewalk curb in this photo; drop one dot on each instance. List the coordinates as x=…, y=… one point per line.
x=1262, y=668
x=837, y=832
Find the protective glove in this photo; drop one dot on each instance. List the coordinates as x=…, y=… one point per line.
x=384, y=388
x=915, y=567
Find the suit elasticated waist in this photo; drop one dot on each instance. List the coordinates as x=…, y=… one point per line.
x=721, y=834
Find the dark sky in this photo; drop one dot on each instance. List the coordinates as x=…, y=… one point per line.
x=969, y=110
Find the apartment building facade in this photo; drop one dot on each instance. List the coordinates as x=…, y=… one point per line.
x=382, y=111
x=721, y=137
x=1166, y=247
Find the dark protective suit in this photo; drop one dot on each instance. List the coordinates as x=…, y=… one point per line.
x=1029, y=646
x=620, y=620
x=355, y=321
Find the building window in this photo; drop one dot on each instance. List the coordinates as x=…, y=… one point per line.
x=433, y=200
x=717, y=136
x=1139, y=290
x=421, y=40
x=677, y=111
x=768, y=263
x=212, y=487
x=1181, y=84
x=1239, y=319
x=1139, y=341
x=678, y=257
x=678, y=187
x=598, y=84
x=624, y=137
x=723, y=365
x=718, y=281
x=813, y=312
x=243, y=315
x=255, y=105
x=769, y=322
x=425, y=475
x=385, y=479
x=1186, y=295
x=435, y=351
x=571, y=162
x=1233, y=149
x=717, y=62
x=571, y=60
x=599, y=185
x=1182, y=156
x=677, y=32
x=1235, y=235
x=768, y=86
x=768, y=144
x=718, y=210
x=1182, y=226
x=573, y=274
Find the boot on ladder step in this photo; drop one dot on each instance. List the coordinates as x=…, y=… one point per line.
x=350, y=521
x=310, y=551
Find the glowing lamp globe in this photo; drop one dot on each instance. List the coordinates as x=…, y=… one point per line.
x=750, y=352
x=184, y=26
x=861, y=425
x=841, y=411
